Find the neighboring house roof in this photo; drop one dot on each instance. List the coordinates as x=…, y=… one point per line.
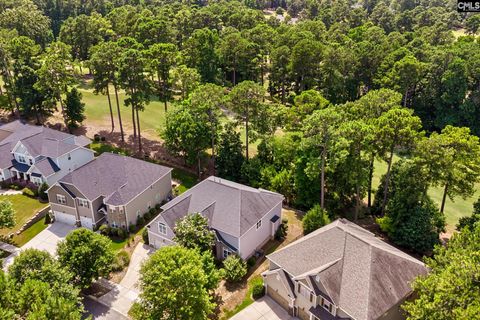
x=362, y=274
x=47, y=167
x=117, y=178
x=5, y=156
x=39, y=141
x=20, y=167
x=231, y=207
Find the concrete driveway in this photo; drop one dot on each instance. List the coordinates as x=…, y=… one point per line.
x=49, y=238
x=45, y=240
x=263, y=309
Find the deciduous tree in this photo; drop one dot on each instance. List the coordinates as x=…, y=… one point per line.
x=173, y=285
x=87, y=255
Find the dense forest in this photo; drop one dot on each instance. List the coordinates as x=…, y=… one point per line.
x=320, y=89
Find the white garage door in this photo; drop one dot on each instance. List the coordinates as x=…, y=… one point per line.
x=86, y=222
x=65, y=218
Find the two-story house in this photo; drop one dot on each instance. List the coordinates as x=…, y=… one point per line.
x=341, y=271
x=37, y=154
x=243, y=218
x=112, y=189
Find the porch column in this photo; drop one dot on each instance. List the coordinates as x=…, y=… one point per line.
x=18, y=174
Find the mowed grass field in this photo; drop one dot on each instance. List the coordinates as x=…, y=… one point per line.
x=97, y=113
x=454, y=210
x=152, y=120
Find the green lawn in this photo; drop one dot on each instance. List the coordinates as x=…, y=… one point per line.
x=453, y=210
x=24, y=206
x=31, y=232
x=97, y=112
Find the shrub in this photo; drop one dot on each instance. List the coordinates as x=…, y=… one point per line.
x=258, y=290
x=103, y=139
x=96, y=137
x=251, y=261
x=157, y=206
x=48, y=218
x=132, y=228
x=279, y=11
x=122, y=234
x=140, y=221
x=105, y=230
x=28, y=192
x=145, y=236
x=281, y=232
x=42, y=191
x=234, y=268
x=314, y=219
x=147, y=216
x=121, y=261
x=152, y=211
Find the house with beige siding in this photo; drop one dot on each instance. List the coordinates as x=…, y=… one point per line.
x=341, y=271
x=37, y=154
x=112, y=189
x=243, y=218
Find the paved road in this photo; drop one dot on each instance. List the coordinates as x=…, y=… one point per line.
x=101, y=312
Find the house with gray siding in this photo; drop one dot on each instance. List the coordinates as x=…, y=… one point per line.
x=341, y=271
x=243, y=218
x=37, y=154
x=112, y=189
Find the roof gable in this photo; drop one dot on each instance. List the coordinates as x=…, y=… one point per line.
x=363, y=275
x=231, y=207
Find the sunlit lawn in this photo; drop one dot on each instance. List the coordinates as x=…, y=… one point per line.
x=31, y=232
x=25, y=207
x=97, y=112
x=453, y=210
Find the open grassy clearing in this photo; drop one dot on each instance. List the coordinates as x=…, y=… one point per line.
x=453, y=210
x=25, y=207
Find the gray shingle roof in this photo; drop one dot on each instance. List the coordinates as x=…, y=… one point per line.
x=47, y=167
x=39, y=141
x=233, y=208
x=363, y=275
x=118, y=178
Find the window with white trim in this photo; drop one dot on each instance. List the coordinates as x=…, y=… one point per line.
x=326, y=305
x=30, y=161
x=61, y=199
x=259, y=224
x=21, y=158
x=226, y=253
x=83, y=203
x=162, y=228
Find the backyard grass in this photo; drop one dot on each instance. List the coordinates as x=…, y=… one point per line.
x=31, y=232
x=453, y=210
x=248, y=298
x=25, y=207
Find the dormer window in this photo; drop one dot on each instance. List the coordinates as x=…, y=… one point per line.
x=162, y=228
x=21, y=158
